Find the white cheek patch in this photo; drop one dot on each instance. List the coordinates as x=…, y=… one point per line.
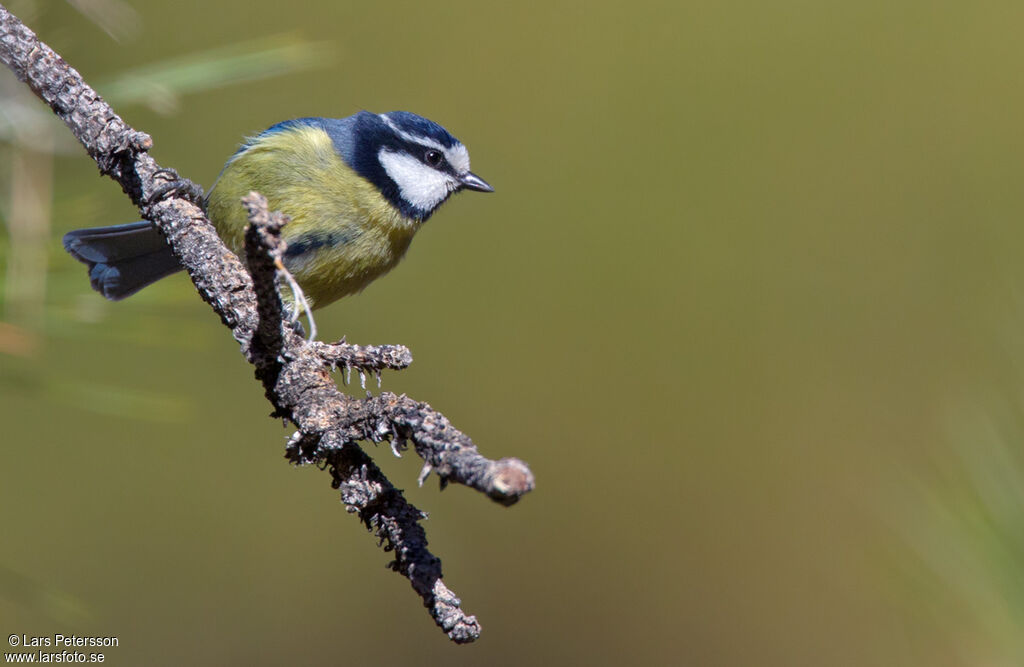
x=419, y=185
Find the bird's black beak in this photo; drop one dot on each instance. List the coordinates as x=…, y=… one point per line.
x=471, y=181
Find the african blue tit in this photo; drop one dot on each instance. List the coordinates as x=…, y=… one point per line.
x=357, y=189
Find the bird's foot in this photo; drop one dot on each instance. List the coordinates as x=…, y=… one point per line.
x=300, y=304
x=175, y=186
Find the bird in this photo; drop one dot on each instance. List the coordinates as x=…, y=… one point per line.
x=357, y=189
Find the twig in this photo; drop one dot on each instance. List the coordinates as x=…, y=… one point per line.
x=294, y=372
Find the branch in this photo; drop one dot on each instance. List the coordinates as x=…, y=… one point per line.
x=294, y=372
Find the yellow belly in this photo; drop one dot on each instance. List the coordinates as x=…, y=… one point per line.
x=343, y=233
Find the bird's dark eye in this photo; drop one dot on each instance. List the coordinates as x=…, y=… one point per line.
x=433, y=158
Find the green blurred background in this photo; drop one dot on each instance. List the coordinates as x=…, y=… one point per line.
x=748, y=299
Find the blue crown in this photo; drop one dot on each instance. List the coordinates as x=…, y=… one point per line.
x=419, y=126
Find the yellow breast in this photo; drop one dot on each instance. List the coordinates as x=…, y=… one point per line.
x=343, y=233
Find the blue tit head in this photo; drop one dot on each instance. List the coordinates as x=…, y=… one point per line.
x=414, y=162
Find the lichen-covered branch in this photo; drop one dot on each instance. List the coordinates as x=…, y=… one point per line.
x=294, y=372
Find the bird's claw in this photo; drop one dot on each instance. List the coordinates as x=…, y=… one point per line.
x=176, y=186
x=300, y=304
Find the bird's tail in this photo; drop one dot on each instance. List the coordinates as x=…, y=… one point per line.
x=122, y=259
